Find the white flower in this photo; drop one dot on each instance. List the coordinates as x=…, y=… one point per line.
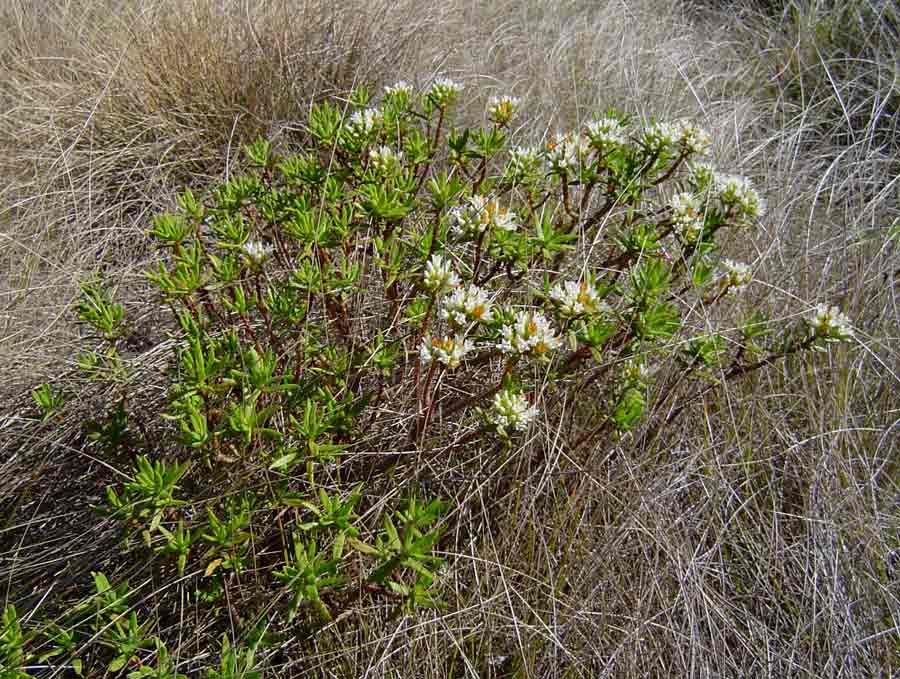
x=399, y=87
x=385, y=161
x=830, y=324
x=480, y=213
x=606, y=133
x=567, y=151
x=738, y=192
x=703, y=175
x=660, y=137
x=736, y=275
x=449, y=351
x=363, y=122
x=524, y=163
x=512, y=411
x=637, y=372
x=443, y=91
x=469, y=220
x=530, y=333
x=687, y=216
x=501, y=109
x=576, y=298
x=439, y=275
x=503, y=218
x=693, y=139
x=467, y=305
x=256, y=251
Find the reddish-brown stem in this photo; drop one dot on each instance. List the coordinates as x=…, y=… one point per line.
x=419, y=335
x=264, y=312
x=567, y=203
x=478, y=247
x=429, y=407
x=490, y=391
x=479, y=175
x=437, y=130
x=435, y=228
x=672, y=169
x=422, y=404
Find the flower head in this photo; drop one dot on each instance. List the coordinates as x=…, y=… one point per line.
x=687, y=216
x=735, y=275
x=531, y=333
x=567, y=152
x=738, y=193
x=693, y=139
x=362, y=123
x=479, y=214
x=501, y=109
x=512, y=412
x=703, y=176
x=448, y=351
x=398, y=95
x=467, y=305
x=443, y=92
x=606, y=133
x=400, y=87
x=256, y=251
x=576, y=298
x=385, y=160
x=636, y=372
x=660, y=137
x=830, y=324
x=524, y=164
x=502, y=218
x=439, y=275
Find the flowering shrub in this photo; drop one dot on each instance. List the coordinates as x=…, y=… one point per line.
x=401, y=284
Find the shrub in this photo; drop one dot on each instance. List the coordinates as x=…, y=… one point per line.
x=438, y=295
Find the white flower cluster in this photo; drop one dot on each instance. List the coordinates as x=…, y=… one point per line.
x=448, y=351
x=256, y=251
x=687, y=216
x=501, y=109
x=512, y=412
x=385, y=160
x=830, y=323
x=693, y=139
x=738, y=192
x=530, y=333
x=576, y=299
x=479, y=214
x=736, y=275
x=523, y=163
x=567, y=152
x=401, y=87
x=637, y=372
x=703, y=176
x=732, y=191
x=659, y=137
x=362, y=123
x=467, y=305
x=606, y=133
x=439, y=275
x=443, y=91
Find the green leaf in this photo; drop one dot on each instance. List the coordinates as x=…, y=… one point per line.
x=117, y=663
x=362, y=547
x=283, y=462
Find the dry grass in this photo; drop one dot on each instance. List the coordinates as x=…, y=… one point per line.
x=758, y=535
